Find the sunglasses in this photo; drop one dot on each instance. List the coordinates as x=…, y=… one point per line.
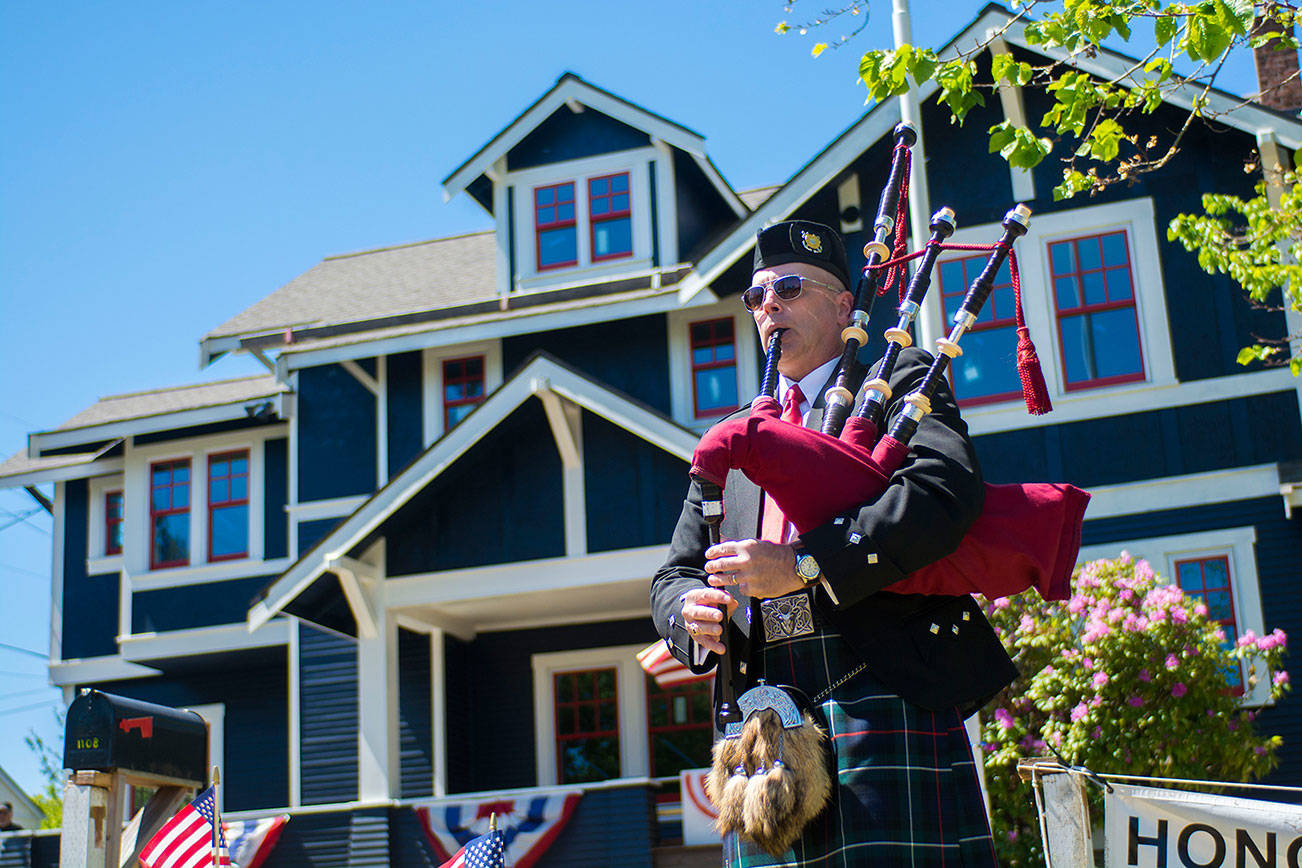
x=785, y=288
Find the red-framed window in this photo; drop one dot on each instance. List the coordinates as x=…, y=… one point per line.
x=169, y=514
x=555, y=229
x=679, y=727
x=714, y=366
x=113, y=523
x=463, y=388
x=1098, y=324
x=610, y=218
x=1209, y=580
x=987, y=371
x=228, y=505
x=587, y=725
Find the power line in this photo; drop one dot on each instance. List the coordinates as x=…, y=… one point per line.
x=22, y=650
x=28, y=707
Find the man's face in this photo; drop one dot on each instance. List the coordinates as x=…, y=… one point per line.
x=813, y=320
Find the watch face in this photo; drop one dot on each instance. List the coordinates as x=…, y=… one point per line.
x=807, y=568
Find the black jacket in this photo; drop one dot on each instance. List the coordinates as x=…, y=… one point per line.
x=935, y=651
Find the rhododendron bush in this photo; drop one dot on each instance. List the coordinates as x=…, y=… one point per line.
x=1129, y=676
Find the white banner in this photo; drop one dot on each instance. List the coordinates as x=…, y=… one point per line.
x=699, y=813
x=1151, y=828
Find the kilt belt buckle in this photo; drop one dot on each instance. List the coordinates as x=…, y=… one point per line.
x=787, y=617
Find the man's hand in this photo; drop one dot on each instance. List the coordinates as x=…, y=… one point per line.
x=703, y=611
x=758, y=568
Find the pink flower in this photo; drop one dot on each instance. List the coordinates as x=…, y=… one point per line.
x=1100, y=679
x=1089, y=662
x=1078, y=712
x=1248, y=638
x=1098, y=733
x=1003, y=718
x=1200, y=608
x=1179, y=690
x=1145, y=676
x=1076, y=605
x=1001, y=603
x=1172, y=661
x=1136, y=701
x=1126, y=594
x=1280, y=678
x=1179, y=615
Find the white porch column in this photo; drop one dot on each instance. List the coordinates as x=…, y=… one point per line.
x=378, y=753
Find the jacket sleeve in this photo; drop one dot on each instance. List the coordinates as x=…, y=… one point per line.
x=683, y=570
x=924, y=512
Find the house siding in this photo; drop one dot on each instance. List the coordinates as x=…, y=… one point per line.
x=336, y=433
x=490, y=682
x=254, y=687
x=631, y=355
x=569, y=136
x=404, y=404
x=499, y=503
x=415, y=715
x=200, y=605
x=627, y=477
x=90, y=603
x=275, y=492
x=328, y=717
x=1196, y=438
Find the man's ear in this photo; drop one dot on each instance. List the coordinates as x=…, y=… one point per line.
x=844, y=304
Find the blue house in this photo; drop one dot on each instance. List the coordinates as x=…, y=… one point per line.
x=408, y=566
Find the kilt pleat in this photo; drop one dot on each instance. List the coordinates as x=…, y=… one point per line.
x=906, y=790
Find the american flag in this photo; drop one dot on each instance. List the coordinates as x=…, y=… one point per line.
x=186, y=840
x=665, y=668
x=486, y=851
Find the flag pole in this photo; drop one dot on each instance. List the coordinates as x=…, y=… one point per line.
x=216, y=818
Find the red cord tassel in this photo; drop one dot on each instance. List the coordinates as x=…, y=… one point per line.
x=1034, y=390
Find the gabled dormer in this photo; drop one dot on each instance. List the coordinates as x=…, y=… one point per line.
x=591, y=191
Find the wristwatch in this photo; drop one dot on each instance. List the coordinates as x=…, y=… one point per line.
x=807, y=569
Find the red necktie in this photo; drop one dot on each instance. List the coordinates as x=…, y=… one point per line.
x=773, y=525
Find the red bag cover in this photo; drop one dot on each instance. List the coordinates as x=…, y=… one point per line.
x=1028, y=535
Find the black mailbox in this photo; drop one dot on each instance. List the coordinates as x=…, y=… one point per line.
x=112, y=733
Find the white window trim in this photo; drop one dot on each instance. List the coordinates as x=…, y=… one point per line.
x=136, y=493
x=1137, y=218
x=635, y=162
x=633, y=759
x=215, y=714
x=432, y=392
x=1237, y=543
x=680, y=358
x=97, y=562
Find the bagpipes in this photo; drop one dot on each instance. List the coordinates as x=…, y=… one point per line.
x=769, y=777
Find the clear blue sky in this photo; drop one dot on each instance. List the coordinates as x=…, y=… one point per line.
x=164, y=166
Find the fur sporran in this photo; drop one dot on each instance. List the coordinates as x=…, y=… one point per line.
x=768, y=782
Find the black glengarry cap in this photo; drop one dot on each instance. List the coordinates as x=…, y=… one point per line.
x=802, y=241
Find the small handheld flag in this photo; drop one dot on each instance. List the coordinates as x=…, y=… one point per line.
x=187, y=840
x=486, y=851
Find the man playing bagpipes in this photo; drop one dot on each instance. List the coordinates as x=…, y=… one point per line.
x=887, y=676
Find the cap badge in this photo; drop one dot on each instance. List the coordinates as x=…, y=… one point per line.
x=812, y=242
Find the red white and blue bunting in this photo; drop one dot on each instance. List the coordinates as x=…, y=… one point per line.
x=529, y=823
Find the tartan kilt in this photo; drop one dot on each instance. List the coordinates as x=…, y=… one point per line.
x=905, y=791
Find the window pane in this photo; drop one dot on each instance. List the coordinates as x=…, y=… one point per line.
x=1189, y=576
x=1218, y=605
x=1060, y=255
x=217, y=467
x=612, y=237
x=1067, y=292
x=673, y=752
x=590, y=759
x=1114, y=249
x=599, y=186
x=172, y=538
x=1088, y=251
x=219, y=490
x=114, y=543
x=565, y=211
x=619, y=183
x=180, y=496
x=459, y=412
x=1119, y=286
x=162, y=475
x=181, y=472
x=600, y=207
x=240, y=488
x=162, y=498
x=1116, y=343
x=230, y=531
x=545, y=196
x=1002, y=304
x=557, y=246
x=1095, y=293
x=565, y=192
x=1216, y=572
x=988, y=365
x=716, y=388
